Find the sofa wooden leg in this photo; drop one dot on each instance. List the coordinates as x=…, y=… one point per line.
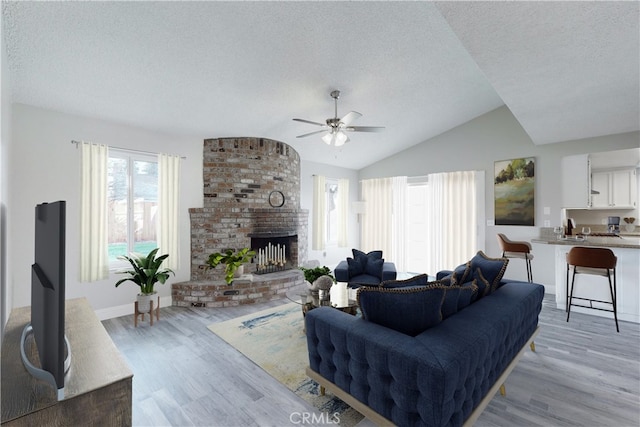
x=322, y=390
x=533, y=346
x=503, y=390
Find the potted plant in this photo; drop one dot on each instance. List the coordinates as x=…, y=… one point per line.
x=311, y=274
x=233, y=261
x=146, y=273
x=321, y=280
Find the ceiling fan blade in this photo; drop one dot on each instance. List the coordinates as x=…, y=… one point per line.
x=310, y=133
x=349, y=117
x=310, y=122
x=365, y=128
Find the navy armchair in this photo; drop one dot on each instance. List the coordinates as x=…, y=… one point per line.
x=365, y=269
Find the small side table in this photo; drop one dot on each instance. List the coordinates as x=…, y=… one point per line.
x=152, y=310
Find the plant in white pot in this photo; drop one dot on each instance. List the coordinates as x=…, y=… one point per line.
x=146, y=273
x=320, y=279
x=233, y=261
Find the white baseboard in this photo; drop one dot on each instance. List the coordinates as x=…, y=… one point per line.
x=126, y=309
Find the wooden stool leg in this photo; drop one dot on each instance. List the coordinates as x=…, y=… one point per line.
x=151, y=312
x=135, y=314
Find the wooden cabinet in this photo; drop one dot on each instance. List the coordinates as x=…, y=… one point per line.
x=616, y=188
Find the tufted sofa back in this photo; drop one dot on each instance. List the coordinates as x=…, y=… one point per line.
x=436, y=378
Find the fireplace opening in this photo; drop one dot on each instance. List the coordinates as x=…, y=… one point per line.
x=274, y=253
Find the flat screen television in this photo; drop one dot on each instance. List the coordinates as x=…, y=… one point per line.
x=48, y=298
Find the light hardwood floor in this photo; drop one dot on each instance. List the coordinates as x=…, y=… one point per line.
x=582, y=374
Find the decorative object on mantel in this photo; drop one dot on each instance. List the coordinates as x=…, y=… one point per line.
x=514, y=185
x=272, y=258
x=233, y=262
x=146, y=273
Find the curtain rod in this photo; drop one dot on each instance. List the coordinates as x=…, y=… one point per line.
x=124, y=149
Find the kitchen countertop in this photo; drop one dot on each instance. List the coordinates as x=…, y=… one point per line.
x=631, y=242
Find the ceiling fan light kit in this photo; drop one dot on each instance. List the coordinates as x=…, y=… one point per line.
x=336, y=126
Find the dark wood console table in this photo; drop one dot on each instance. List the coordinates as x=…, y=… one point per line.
x=97, y=388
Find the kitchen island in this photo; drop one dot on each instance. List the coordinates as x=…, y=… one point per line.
x=626, y=249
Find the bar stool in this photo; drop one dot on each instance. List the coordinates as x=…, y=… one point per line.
x=595, y=261
x=513, y=249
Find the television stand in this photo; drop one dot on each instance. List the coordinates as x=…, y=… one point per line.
x=97, y=390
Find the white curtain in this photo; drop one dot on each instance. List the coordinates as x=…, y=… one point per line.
x=377, y=220
x=399, y=222
x=168, y=227
x=319, y=214
x=94, y=259
x=451, y=220
x=343, y=208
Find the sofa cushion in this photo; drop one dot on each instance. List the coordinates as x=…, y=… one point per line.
x=410, y=309
x=419, y=280
x=458, y=297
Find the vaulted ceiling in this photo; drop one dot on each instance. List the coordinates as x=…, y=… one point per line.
x=566, y=70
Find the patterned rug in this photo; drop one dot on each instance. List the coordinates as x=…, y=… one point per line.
x=274, y=340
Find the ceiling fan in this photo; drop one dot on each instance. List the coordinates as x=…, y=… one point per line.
x=336, y=126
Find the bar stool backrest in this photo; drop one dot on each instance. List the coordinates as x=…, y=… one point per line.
x=507, y=245
x=591, y=257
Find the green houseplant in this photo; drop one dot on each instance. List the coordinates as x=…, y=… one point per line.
x=311, y=274
x=146, y=273
x=233, y=262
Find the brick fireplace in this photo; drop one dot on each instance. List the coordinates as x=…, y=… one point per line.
x=239, y=176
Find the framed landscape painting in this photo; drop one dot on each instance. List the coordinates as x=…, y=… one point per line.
x=514, y=185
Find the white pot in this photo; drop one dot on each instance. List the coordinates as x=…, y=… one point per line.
x=239, y=271
x=629, y=228
x=144, y=302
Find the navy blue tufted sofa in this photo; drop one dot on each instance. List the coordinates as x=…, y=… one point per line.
x=444, y=376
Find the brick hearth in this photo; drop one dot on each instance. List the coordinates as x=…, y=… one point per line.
x=238, y=176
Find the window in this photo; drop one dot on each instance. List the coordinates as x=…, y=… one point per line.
x=132, y=198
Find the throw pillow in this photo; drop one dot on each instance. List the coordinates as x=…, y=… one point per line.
x=458, y=297
x=468, y=294
x=409, y=310
x=355, y=267
x=459, y=275
x=371, y=255
x=374, y=267
x=419, y=280
x=488, y=272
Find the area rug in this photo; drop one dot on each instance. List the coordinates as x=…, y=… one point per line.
x=274, y=339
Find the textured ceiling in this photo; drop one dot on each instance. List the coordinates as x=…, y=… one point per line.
x=216, y=69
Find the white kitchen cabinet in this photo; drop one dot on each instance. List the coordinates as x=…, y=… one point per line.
x=576, y=182
x=617, y=188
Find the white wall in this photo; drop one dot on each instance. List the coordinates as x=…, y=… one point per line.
x=5, y=135
x=476, y=145
x=44, y=166
x=333, y=254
